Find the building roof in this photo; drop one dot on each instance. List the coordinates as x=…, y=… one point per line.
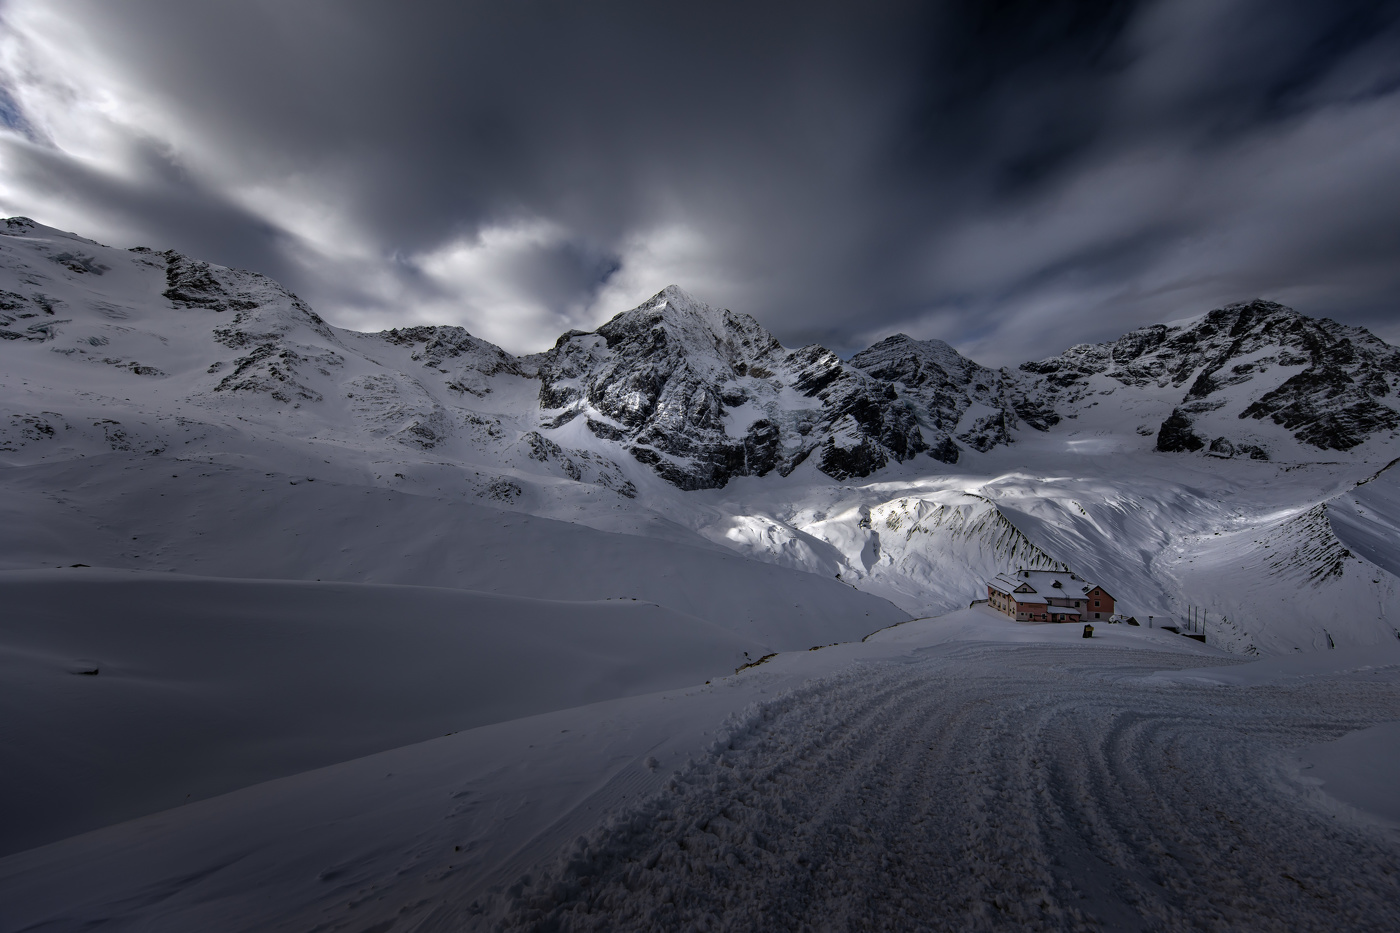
x=1043, y=584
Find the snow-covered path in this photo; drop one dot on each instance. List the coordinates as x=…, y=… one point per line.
x=990, y=787
x=960, y=773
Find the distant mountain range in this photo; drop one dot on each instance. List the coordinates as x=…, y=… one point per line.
x=703, y=395
x=908, y=471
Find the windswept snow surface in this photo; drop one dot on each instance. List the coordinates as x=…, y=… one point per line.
x=126, y=693
x=221, y=520
x=963, y=772
x=1367, y=519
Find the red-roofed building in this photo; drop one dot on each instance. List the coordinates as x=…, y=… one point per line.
x=1048, y=596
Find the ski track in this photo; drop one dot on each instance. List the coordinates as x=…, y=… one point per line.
x=987, y=789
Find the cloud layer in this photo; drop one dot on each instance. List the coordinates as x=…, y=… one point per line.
x=1011, y=176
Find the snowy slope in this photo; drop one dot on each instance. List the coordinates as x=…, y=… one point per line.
x=1367, y=519
x=252, y=439
x=165, y=414
x=201, y=686
x=677, y=430
x=158, y=514
x=960, y=772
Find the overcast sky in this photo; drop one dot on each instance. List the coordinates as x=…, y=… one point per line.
x=1013, y=177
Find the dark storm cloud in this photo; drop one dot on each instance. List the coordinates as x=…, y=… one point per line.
x=163, y=204
x=1012, y=176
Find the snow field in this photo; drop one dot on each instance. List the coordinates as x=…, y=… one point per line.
x=1277, y=557
x=989, y=788
x=204, y=686
x=963, y=772
x=1367, y=519
x=224, y=520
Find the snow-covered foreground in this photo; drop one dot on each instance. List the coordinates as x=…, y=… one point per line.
x=963, y=772
x=203, y=686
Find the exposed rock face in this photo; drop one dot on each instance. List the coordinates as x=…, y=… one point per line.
x=945, y=386
x=1176, y=434
x=581, y=466
x=702, y=395
x=1335, y=379
x=194, y=284
x=279, y=340
x=468, y=360
x=696, y=394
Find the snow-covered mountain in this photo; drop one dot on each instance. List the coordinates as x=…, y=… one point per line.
x=1233, y=372
x=955, y=397
x=703, y=395
x=1175, y=465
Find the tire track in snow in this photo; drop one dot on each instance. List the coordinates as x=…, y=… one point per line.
x=991, y=788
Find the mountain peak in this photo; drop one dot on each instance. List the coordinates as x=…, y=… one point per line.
x=901, y=358
x=1232, y=373
x=692, y=328
x=671, y=304
x=677, y=296
x=26, y=227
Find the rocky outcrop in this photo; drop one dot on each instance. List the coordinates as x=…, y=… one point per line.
x=702, y=395
x=952, y=396
x=468, y=361
x=280, y=343
x=1330, y=385
x=581, y=466
x=1176, y=435
x=194, y=284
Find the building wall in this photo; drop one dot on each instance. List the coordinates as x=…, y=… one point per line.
x=1104, y=609
x=1011, y=607
x=1032, y=612
x=998, y=601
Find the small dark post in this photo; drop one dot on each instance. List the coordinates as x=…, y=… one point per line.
x=1088, y=630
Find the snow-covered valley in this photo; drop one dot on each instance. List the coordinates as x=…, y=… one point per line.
x=391, y=620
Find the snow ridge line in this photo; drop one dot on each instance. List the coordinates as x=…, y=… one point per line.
x=1007, y=542
x=1317, y=552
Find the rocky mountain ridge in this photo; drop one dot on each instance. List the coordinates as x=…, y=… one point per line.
x=705, y=395
x=119, y=363
x=1338, y=385
x=702, y=395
